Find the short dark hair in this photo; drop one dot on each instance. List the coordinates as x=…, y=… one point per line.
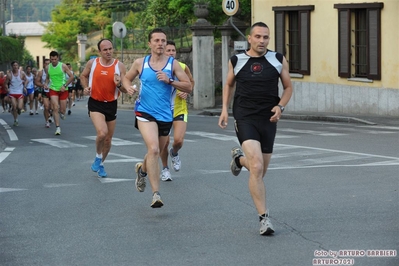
x=13, y=62
x=171, y=43
x=156, y=30
x=68, y=64
x=28, y=66
x=258, y=24
x=100, y=41
x=53, y=53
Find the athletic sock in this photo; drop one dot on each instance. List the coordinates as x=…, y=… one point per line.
x=141, y=173
x=237, y=160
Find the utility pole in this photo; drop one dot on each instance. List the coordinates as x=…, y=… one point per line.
x=3, y=16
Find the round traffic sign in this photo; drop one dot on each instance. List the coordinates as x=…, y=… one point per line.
x=230, y=7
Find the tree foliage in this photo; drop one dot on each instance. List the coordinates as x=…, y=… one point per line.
x=14, y=48
x=69, y=19
x=72, y=17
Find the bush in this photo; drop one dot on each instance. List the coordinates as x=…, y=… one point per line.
x=12, y=49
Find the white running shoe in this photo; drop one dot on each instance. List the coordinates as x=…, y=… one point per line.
x=47, y=124
x=235, y=152
x=58, y=131
x=266, y=227
x=156, y=200
x=140, y=180
x=165, y=175
x=176, y=163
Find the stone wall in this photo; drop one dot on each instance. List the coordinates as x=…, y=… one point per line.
x=184, y=55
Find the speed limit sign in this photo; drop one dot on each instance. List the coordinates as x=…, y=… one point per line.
x=230, y=7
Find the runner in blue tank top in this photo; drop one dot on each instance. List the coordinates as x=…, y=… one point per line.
x=153, y=108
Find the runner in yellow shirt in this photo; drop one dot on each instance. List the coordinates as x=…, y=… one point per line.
x=180, y=115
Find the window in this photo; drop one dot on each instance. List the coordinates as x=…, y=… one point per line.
x=359, y=40
x=292, y=29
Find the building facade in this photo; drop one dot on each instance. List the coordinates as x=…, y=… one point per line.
x=343, y=55
x=33, y=32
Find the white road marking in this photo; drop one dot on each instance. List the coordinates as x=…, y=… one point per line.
x=10, y=189
x=320, y=161
x=126, y=158
x=51, y=185
x=118, y=141
x=10, y=132
x=113, y=180
x=339, y=151
x=211, y=135
x=356, y=130
x=59, y=143
x=311, y=132
x=4, y=154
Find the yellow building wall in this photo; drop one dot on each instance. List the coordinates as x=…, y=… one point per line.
x=324, y=39
x=35, y=46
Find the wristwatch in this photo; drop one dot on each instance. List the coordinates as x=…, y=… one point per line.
x=171, y=80
x=281, y=107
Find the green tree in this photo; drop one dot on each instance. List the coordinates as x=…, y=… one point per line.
x=69, y=19
x=12, y=49
x=102, y=19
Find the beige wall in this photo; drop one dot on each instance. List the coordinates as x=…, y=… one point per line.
x=35, y=46
x=324, y=39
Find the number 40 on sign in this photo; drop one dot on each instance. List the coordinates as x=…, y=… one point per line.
x=230, y=7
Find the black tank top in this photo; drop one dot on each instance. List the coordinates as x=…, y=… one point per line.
x=256, y=84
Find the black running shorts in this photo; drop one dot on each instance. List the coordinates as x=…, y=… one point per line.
x=108, y=109
x=163, y=127
x=263, y=131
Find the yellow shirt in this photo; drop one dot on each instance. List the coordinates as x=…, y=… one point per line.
x=180, y=106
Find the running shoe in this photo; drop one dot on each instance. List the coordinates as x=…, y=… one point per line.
x=235, y=153
x=156, y=200
x=101, y=172
x=62, y=116
x=15, y=123
x=140, y=180
x=47, y=124
x=58, y=131
x=165, y=175
x=73, y=103
x=50, y=119
x=96, y=164
x=21, y=111
x=176, y=163
x=266, y=227
x=69, y=112
x=31, y=112
x=36, y=112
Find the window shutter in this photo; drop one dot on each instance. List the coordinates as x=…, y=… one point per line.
x=280, y=32
x=374, y=47
x=344, y=43
x=304, y=29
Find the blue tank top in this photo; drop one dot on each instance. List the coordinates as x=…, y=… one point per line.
x=156, y=97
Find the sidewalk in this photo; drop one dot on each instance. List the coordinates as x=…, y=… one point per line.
x=309, y=116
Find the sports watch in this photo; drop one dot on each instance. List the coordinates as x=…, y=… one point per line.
x=281, y=107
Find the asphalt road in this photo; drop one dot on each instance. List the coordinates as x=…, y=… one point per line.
x=332, y=191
